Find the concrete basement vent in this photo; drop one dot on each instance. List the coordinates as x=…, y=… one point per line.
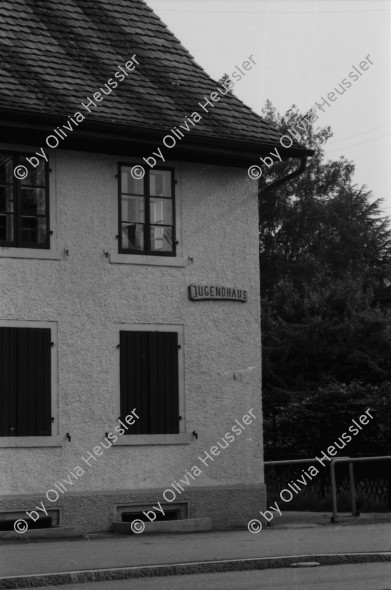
x=172, y=511
x=8, y=518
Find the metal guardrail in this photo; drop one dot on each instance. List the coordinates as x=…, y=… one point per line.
x=289, y=462
x=351, y=476
x=348, y=460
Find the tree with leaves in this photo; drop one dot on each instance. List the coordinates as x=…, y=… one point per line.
x=325, y=248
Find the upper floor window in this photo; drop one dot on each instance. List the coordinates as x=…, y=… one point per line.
x=147, y=212
x=24, y=204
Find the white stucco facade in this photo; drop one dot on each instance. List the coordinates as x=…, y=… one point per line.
x=87, y=291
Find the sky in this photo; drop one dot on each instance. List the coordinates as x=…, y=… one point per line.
x=303, y=49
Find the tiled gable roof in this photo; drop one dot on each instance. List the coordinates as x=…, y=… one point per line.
x=55, y=54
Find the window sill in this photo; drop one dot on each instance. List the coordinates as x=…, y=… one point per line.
x=30, y=441
x=31, y=253
x=154, y=439
x=180, y=262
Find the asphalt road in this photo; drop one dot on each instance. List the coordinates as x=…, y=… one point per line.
x=365, y=576
x=17, y=559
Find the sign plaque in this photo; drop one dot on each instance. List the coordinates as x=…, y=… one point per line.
x=216, y=292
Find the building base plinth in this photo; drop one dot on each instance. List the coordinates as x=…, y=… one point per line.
x=227, y=507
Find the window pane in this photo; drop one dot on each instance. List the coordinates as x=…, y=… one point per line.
x=33, y=230
x=6, y=228
x=161, y=239
x=160, y=183
x=128, y=184
x=33, y=201
x=36, y=176
x=133, y=236
x=29, y=229
x=42, y=230
x=161, y=211
x=6, y=169
x=133, y=209
x=6, y=199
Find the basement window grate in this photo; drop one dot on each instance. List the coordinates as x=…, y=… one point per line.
x=173, y=511
x=7, y=519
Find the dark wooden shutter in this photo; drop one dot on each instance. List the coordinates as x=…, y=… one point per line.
x=149, y=381
x=25, y=381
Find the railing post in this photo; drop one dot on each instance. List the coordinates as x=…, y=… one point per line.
x=333, y=491
x=355, y=512
x=351, y=462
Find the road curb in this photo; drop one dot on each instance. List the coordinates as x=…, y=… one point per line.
x=180, y=569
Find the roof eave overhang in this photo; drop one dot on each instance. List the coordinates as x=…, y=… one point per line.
x=31, y=129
